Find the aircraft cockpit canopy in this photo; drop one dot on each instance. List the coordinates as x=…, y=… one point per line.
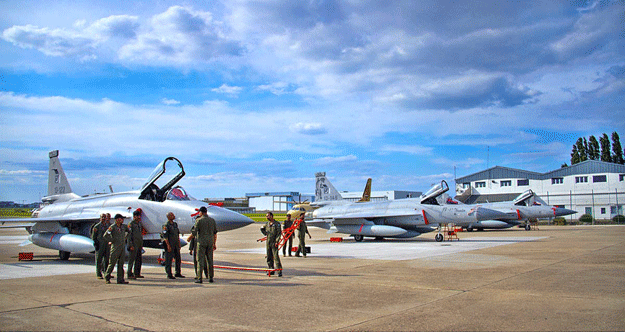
x=178, y=193
x=162, y=180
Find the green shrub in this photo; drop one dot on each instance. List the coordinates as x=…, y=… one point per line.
x=586, y=218
x=618, y=218
x=559, y=221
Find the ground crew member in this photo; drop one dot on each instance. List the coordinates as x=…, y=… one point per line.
x=135, y=246
x=205, y=233
x=193, y=251
x=287, y=223
x=302, y=231
x=273, y=232
x=116, y=234
x=102, y=248
x=171, y=238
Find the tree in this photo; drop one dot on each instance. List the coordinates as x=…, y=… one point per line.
x=593, y=148
x=574, y=155
x=617, y=150
x=581, y=149
x=605, y=148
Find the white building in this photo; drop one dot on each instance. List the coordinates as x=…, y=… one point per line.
x=590, y=187
x=276, y=201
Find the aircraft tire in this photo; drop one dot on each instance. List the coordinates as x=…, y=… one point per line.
x=64, y=255
x=469, y=229
x=439, y=238
x=528, y=227
x=358, y=238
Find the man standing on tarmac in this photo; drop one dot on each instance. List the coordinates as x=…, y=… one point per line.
x=135, y=246
x=302, y=231
x=205, y=233
x=116, y=234
x=171, y=238
x=288, y=243
x=101, y=246
x=273, y=232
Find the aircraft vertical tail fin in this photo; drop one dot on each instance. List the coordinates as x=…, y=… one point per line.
x=366, y=194
x=57, y=181
x=324, y=190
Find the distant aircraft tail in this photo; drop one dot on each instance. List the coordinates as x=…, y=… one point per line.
x=366, y=194
x=58, y=185
x=324, y=190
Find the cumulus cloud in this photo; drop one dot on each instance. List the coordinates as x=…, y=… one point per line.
x=308, y=128
x=181, y=36
x=166, y=101
x=228, y=90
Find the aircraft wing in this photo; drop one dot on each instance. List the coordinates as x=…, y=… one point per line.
x=84, y=216
x=366, y=218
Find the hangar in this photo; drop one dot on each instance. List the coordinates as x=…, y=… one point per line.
x=590, y=187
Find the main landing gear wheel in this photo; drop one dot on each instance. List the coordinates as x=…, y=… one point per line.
x=469, y=229
x=358, y=238
x=439, y=237
x=64, y=255
x=528, y=227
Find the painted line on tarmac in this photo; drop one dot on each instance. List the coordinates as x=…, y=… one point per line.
x=401, y=250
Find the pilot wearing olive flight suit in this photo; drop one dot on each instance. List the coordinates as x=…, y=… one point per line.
x=116, y=234
x=273, y=232
x=135, y=246
x=102, y=249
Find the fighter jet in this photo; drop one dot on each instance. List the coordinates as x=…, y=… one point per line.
x=402, y=218
x=64, y=220
x=525, y=206
x=326, y=194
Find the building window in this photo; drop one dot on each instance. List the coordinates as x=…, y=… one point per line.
x=602, y=210
x=506, y=183
x=621, y=177
x=557, y=180
x=524, y=182
x=588, y=210
x=466, y=185
x=599, y=178
x=480, y=184
x=581, y=179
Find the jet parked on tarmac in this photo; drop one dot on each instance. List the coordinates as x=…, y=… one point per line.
x=402, y=218
x=524, y=207
x=64, y=220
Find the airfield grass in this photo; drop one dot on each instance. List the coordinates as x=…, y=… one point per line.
x=14, y=213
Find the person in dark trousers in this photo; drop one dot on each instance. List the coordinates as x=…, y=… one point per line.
x=302, y=231
x=288, y=243
x=171, y=238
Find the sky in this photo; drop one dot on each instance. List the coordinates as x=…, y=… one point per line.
x=257, y=96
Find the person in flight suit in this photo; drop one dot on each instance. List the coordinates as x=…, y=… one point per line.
x=171, y=238
x=116, y=234
x=273, y=232
x=302, y=231
x=135, y=246
x=205, y=232
x=289, y=243
x=193, y=252
x=102, y=249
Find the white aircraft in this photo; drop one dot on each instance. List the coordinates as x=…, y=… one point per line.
x=64, y=220
x=525, y=206
x=401, y=218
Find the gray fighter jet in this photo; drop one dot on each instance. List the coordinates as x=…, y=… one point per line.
x=525, y=206
x=402, y=218
x=64, y=220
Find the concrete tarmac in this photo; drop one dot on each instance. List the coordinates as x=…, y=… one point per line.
x=553, y=279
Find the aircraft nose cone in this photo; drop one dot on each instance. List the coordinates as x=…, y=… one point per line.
x=227, y=220
x=563, y=212
x=488, y=214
